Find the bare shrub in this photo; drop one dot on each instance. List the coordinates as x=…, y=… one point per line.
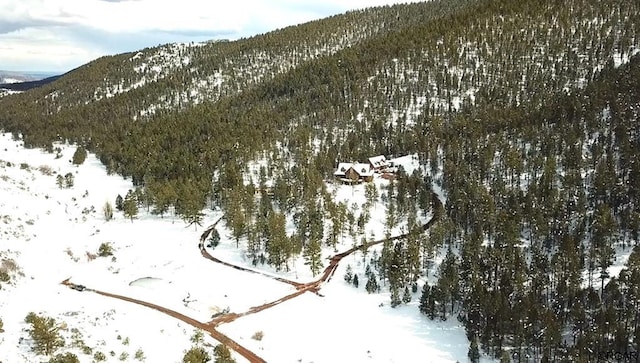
x=257, y=335
x=45, y=170
x=71, y=255
x=9, y=265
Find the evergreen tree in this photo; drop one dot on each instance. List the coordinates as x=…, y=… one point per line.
x=391, y=217
x=474, y=351
x=45, y=333
x=372, y=283
x=363, y=218
x=105, y=249
x=348, y=275
x=130, y=205
x=356, y=283
x=338, y=213
x=79, y=155
x=143, y=196
x=313, y=256
x=395, y=297
x=68, y=180
x=316, y=222
x=64, y=358
x=425, y=299
x=413, y=263
x=448, y=279
x=254, y=244
x=198, y=337
x=196, y=355
x=279, y=246
x=435, y=304
x=406, y=295
x=193, y=216
x=603, y=252
x=236, y=217
x=189, y=204
x=119, y=203
x=214, y=238
x=60, y=181
x=371, y=193
x=222, y=354
x=162, y=194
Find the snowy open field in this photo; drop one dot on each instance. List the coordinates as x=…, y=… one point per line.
x=53, y=234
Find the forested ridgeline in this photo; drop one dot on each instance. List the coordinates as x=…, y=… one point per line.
x=171, y=77
x=377, y=96
x=516, y=109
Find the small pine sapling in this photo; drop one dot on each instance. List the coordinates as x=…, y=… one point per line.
x=119, y=203
x=372, y=283
x=214, y=238
x=68, y=180
x=406, y=296
x=348, y=276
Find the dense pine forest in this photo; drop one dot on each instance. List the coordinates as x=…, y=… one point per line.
x=525, y=113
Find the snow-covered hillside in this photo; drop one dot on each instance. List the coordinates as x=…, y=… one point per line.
x=49, y=234
x=14, y=77
x=9, y=80
x=4, y=92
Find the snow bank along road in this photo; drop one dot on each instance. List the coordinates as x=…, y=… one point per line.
x=313, y=286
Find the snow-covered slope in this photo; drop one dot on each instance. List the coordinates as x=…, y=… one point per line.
x=51, y=234
x=4, y=92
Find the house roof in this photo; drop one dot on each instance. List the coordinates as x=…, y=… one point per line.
x=342, y=168
x=362, y=169
x=378, y=161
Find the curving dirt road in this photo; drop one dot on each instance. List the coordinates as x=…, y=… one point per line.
x=207, y=255
x=334, y=260
x=246, y=353
x=313, y=286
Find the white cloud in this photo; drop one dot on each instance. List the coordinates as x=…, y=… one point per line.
x=62, y=34
x=35, y=49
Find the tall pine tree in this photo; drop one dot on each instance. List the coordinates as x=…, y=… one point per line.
x=313, y=256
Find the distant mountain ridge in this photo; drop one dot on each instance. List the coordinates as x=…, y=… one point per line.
x=8, y=77
x=27, y=85
x=174, y=77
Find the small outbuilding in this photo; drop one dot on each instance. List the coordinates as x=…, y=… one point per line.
x=378, y=163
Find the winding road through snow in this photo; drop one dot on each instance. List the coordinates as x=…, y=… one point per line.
x=313, y=286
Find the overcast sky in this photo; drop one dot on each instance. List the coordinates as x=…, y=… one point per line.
x=59, y=35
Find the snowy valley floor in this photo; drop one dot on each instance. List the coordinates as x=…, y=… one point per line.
x=53, y=234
